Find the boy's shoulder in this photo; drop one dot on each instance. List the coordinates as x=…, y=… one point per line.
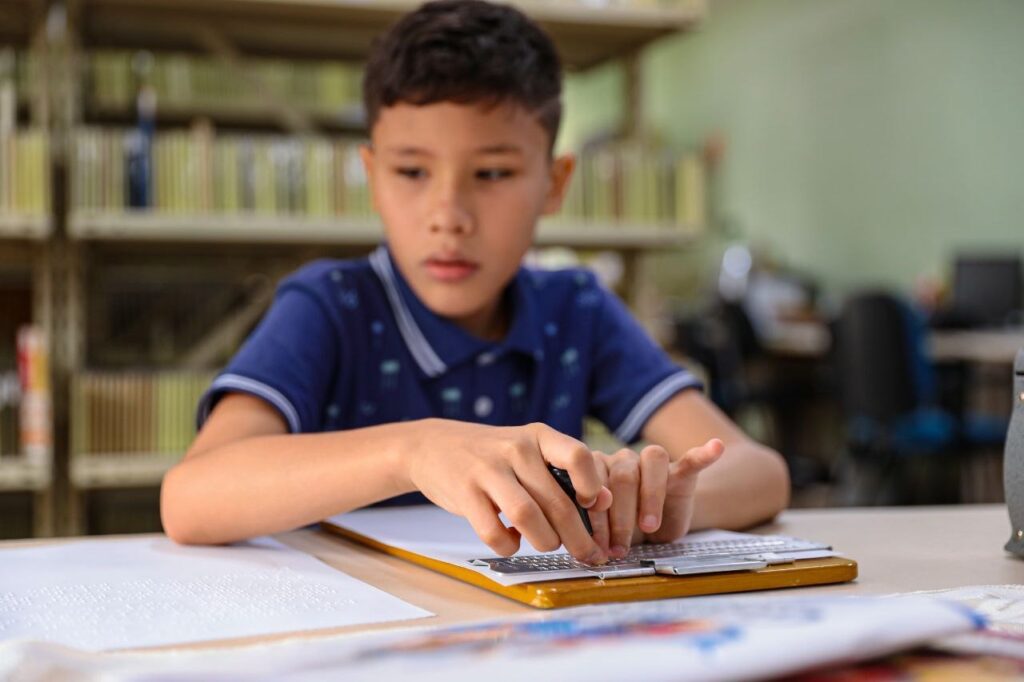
x=555, y=289
x=326, y=273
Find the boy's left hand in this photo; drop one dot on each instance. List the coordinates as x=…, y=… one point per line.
x=652, y=494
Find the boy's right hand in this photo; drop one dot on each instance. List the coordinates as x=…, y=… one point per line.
x=477, y=471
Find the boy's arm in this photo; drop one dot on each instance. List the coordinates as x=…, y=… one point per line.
x=747, y=485
x=246, y=476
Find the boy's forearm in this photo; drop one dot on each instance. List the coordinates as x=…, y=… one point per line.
x=268, y=484
x=750, y=485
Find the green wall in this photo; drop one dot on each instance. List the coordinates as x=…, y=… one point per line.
x=868, y=140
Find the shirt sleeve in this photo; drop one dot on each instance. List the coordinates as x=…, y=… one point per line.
x=290, y=360
x=632, y=376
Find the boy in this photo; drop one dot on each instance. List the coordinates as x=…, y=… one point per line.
x=441, y=366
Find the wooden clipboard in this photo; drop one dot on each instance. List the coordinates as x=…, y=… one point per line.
x=552, y=594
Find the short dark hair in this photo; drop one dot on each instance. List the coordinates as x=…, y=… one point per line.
x=465, y=51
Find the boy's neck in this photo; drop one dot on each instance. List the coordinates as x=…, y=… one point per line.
x=490, y=324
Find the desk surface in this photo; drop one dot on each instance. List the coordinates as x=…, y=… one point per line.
x=898, y=549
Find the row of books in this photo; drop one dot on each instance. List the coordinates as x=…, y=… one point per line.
x=637, y=183
x=199, y=172
x=195, y=82
x=135, y=412
x=10, y=404
x=25, y=173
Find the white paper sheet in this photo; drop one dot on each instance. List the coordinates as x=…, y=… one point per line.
x=710, y=638
x=110, y=594
x=433, y=532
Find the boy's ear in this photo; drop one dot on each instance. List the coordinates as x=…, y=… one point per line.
x=366, y=156
x=561, y=174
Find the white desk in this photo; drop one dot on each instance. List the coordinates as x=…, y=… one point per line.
x=995, y=346
x=898, y=550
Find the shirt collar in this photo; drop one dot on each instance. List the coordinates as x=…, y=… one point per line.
x=437, y=344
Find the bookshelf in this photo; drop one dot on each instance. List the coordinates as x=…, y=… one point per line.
x=26, y=227
x=246, y=45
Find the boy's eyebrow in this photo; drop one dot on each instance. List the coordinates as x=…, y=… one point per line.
x=501, y=148
x=408, y=151
x=504, y=148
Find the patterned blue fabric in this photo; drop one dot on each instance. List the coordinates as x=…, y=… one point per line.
x=347, y=344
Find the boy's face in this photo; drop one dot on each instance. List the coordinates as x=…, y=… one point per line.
x=460, y=189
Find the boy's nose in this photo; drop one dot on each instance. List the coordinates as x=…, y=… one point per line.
x=452, y=216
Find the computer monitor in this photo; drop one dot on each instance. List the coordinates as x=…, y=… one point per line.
x=987, y=290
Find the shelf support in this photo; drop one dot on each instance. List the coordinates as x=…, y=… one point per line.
x=292, y=118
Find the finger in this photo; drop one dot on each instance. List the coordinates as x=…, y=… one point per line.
x=558, y=508
x=653, y=481
x=599, y=512
x=570, y=454
x=483, y=517
x=699, y=458
x=523, y=513
x=624, y=482
x=602, y=534
x=604, y=497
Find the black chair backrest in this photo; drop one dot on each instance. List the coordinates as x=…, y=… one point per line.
x=873, y=357
x=987, y=290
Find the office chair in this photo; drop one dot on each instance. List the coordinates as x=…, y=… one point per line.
x=895, y=431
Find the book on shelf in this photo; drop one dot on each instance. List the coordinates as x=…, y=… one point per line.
x=34, y=411
x=134, y=413
x=10, y=405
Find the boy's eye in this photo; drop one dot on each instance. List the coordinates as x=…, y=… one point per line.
x=411, y=172
x=492, y=174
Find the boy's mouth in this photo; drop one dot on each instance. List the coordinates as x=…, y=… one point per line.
x=450, y=269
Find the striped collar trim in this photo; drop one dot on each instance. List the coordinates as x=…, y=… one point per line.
x=420, y=349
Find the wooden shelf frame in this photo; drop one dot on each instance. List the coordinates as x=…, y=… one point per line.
x=120, y=470
x=18, y=473
x=35, y=228
x=344, y=29
x=145, y=226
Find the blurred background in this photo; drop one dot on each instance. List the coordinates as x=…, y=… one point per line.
x=815, y=204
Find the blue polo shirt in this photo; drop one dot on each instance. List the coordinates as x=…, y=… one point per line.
x=347, y=344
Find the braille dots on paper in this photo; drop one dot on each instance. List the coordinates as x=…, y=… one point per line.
x=485, y=358
x=367, y=409
x=551, y=329
x=451, y=402
x=561, y=401
x=337, y=276
x=332, y=413
x=389, y=373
